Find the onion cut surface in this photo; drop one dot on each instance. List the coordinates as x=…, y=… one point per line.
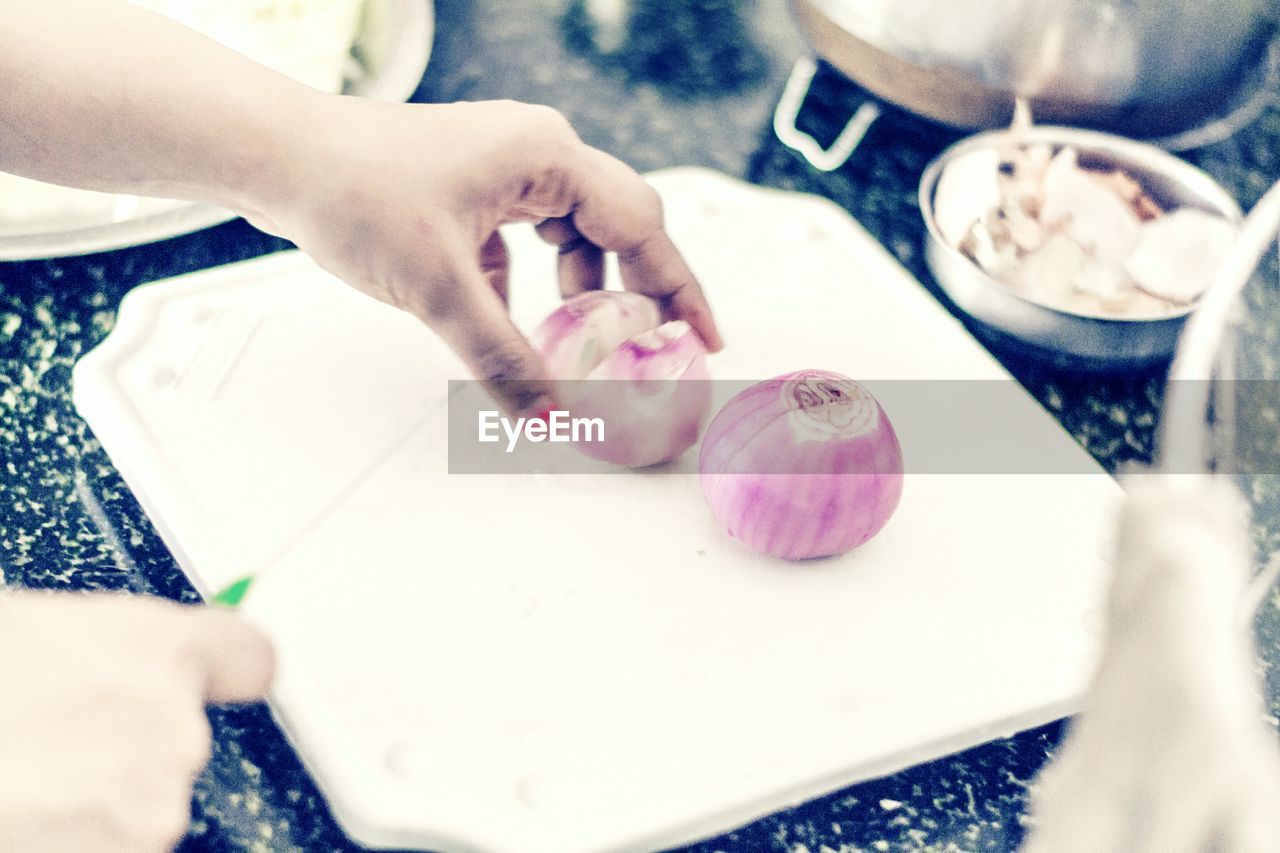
x=644, y=379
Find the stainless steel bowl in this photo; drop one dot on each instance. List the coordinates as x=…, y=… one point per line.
x=1092, y=341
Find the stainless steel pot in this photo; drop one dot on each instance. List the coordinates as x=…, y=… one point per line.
x=1150, y=69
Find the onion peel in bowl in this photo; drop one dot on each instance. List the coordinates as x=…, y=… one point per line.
x=644, y=379
x=802, y=465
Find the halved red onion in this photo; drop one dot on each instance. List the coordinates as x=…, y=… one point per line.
x=802, y=465
x=585, y=329
x=644, y=379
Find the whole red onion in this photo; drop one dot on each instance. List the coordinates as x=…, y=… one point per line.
x=802, y=465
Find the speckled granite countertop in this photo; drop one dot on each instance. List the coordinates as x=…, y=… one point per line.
x=684, y=95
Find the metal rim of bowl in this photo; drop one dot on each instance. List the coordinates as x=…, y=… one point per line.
x=1124, y=149
x=396, y=80
x=1181, y=440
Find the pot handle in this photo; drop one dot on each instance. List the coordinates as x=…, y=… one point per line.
x=788, y=110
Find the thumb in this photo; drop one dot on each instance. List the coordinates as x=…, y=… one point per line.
x=235, y=660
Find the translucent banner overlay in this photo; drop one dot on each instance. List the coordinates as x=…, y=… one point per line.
x=943, y=427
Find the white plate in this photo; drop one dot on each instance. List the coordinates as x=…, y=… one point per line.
x=588, y=663
x=393, y=48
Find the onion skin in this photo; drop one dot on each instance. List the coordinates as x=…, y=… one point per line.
x=646, y=380
x=803, y=465
x=584, y=330
x=653, y=396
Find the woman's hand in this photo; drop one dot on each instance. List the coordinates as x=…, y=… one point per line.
x=404, y=203
x=102, y=723
x=401, y=201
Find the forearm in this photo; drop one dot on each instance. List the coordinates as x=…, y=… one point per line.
x=103, y=95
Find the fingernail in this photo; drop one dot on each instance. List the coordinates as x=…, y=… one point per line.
x=541, y=408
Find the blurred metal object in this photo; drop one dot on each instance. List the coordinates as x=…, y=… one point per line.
x=1223, y=380
x=1184, y=445
x=389, y=58
x=1175, y=72
x=1097, y=341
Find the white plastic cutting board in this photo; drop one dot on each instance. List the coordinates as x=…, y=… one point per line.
x=564, y=664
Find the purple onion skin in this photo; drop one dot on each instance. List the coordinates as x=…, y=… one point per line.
x=785, y=474
x=653, y=395
x=585, y=329
x=644, y=379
